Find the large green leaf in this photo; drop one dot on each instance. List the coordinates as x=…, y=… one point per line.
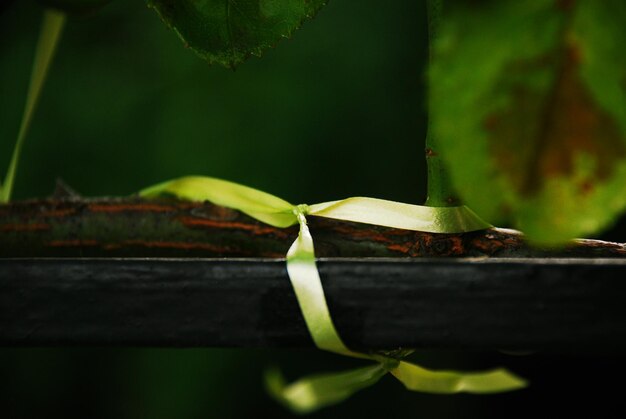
x=528, y=103
x=229, y=31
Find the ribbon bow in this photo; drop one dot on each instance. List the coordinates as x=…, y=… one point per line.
x=311, y=393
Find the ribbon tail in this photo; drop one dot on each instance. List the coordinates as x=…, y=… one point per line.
x=321, y=390
x=307, y=286
x=416, y=378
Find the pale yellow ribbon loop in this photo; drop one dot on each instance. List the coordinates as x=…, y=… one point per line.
x=399, y=215
x=257, y=204
x=321, y=390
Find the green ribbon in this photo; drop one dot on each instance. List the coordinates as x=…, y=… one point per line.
x=311, y=393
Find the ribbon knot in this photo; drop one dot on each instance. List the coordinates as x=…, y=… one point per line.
x=303, y=209
x=312, y=393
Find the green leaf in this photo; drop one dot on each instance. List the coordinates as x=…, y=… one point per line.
x=528, y=103
x=229, y=31
x=76, y=7
x=317, y=391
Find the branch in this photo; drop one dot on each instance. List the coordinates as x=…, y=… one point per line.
x=132, y=227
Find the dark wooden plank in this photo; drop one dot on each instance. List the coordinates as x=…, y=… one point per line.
x=378, y=303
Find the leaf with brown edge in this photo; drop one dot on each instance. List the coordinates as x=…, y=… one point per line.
x=528, y=103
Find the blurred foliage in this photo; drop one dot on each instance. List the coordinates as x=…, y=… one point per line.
x=536, y=131
x=126, y=106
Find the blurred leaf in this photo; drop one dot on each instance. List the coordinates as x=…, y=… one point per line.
x=228, y=31
x=527, y=100
x=317, y=391
x=77, y=7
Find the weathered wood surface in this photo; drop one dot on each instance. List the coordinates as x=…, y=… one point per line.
x=573, y=304
x=130, y=227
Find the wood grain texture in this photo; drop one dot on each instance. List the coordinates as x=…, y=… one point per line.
x=550, y=304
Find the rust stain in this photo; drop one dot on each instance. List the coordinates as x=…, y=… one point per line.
x=565, y=5
x=437, y=245
x=354, y=233
x=403, y=248
x=542, y=133
x=456, y=246
x=214, y=212
x=142, y=207
x=25, y=227
x=72, y=243
x=494, y=243
x=487, y=246
x=58, y=213
x=430, y=152
x=253, y=228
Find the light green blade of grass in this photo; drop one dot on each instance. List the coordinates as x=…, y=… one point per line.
x=51, y=28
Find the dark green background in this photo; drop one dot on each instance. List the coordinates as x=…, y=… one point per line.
x=335, y=112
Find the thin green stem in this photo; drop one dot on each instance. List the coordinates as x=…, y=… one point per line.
x=440, y=192
x=51, y=28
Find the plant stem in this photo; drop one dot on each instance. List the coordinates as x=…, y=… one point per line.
x=440, y=192
x=51, y=28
